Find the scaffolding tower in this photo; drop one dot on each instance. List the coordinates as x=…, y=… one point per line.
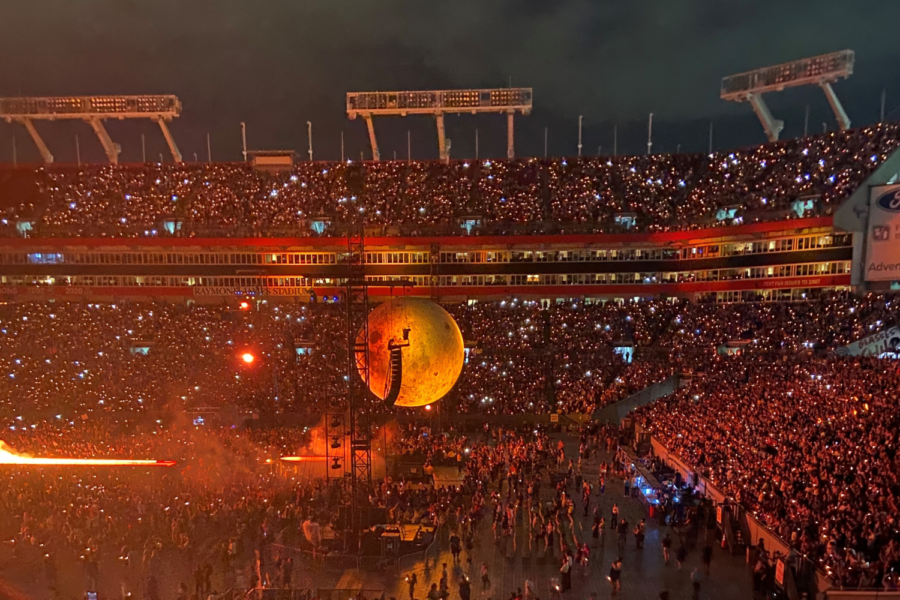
x=93, y=110
x=438, y=103
x=359, y=426
x=820, y=70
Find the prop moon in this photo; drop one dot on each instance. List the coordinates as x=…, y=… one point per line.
x=433, y=359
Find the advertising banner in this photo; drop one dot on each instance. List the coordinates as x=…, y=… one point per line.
x=883, y=237
x=886, y=340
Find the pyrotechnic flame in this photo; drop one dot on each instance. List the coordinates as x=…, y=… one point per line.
x=302, y=458
x=8, y=456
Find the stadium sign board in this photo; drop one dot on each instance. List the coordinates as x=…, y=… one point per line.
x=883, y=235
x=250, y=291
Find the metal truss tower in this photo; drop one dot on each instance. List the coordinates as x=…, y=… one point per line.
x=93, y=110
x=820, y=70
x=438, y=103
x=359, y=426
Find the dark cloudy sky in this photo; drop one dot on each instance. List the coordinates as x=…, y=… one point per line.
x=276, y=64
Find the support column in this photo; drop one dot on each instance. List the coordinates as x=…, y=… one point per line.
x=38, y=141
x=770, y=124
x=376, y=156
x=176, y=154
x=111, y=148
x=510, y=136
x=442, y=139
x=837, y=108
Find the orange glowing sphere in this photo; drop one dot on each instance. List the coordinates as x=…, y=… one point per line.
x=248, y=358
x=433, y=359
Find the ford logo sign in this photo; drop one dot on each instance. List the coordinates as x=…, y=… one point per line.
x=890, y=201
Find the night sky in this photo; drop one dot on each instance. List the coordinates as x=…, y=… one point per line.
x=276, y=64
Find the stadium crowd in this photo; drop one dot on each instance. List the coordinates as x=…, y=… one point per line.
x=591, y=194
x=808, y=444
x=804, y=440
x=218, y=504
x=225, y=512
x=74, y=360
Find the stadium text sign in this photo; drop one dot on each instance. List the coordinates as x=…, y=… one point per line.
x=790, y=283
x=883, y=237
x=249, y=291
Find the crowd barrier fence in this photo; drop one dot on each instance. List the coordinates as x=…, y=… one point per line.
x=753, y=529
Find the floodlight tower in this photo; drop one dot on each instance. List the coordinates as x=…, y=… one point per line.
x=822, y=70
x=439, y=103
x=93, y=110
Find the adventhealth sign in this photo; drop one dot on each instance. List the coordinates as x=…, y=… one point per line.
x=883, y=236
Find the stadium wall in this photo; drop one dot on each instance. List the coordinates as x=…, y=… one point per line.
x=449, y=294
x=615, y=412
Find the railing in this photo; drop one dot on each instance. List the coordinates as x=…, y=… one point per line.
x=340, y=562
x=301, y=594
x=790, y=584
x=616, y=411
x=478, y=421
x=729, y=534
x=835, y=594
x=268, y=594
x=351, y=593
x=188, y=228
x=423, y=555
x=575, y=419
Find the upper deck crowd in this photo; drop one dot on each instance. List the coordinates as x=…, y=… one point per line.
x=589, y=194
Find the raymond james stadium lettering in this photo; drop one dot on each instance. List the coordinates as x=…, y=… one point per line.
x=232, y=291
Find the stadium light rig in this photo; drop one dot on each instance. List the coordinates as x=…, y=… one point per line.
x=439, y=103
x=93, y=110
x=822, y=70
x=10, y=457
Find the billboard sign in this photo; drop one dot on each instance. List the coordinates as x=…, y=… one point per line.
x=883, y=237
x=885, y=341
